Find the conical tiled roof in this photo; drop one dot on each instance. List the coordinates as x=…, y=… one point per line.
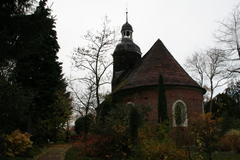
x=158, y=60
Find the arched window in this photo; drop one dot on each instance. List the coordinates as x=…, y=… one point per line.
x=130, y=103
x=179, y=114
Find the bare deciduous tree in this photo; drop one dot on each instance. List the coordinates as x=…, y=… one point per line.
x=93, y=60
x=215, y=69
x=83, y=98
x=211, y=67
x=228, y=35
x=196, y=66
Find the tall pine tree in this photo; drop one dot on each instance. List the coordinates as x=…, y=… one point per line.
x=38, y=70
x=14, y=99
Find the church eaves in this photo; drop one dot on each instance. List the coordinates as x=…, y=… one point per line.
x=158, y=60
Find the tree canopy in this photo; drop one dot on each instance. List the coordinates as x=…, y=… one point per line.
x=31, y=75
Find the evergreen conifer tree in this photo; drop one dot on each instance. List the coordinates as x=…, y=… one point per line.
x=162, y=102
x=14, y=99
x=33, y=90
x=38, y=70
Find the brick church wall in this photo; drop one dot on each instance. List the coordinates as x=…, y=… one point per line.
x=148, y=96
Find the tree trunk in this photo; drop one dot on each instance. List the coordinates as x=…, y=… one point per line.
x=211, y=96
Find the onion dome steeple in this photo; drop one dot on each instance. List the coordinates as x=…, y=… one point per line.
x=127, y=29
x=127, y=43
x=126, y=53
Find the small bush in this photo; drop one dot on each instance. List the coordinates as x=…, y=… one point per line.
x=94, y=146
x=205, y=131
x=231, y=141
x=83, y=124
x=181, y=136
x=17, y=143
x=153, y=150
x=156, y=144
x=72, y=154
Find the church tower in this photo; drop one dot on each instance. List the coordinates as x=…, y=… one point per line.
x=126, y=54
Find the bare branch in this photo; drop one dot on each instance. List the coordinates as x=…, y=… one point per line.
x=94, y=59
x=211, y=67
x=228, y=32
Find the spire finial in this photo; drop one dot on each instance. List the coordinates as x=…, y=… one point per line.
x=127, y=15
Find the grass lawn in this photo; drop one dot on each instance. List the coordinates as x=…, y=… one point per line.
x=223, y=156
x=73, y=154
x=14, y=158
x=226, y=156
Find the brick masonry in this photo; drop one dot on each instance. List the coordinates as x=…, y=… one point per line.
x=148, y=96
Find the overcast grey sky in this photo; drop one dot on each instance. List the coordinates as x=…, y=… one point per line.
x=184, y=26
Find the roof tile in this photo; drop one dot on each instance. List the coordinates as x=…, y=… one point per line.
x=158, y=60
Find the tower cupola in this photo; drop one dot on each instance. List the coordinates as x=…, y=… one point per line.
x=127, y=29
x=126, y=53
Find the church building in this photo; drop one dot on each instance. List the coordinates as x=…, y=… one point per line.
x=136, y=79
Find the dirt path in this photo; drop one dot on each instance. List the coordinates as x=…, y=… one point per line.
x=55, y=152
